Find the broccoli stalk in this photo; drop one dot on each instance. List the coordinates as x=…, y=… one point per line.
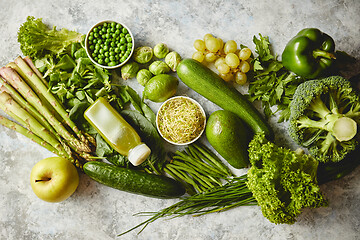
x=324, y=115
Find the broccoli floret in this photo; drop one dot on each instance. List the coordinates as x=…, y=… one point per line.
x=37, y=39
x=324, y=115
x=282, y=181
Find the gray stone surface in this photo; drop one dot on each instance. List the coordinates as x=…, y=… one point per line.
x=98, y=212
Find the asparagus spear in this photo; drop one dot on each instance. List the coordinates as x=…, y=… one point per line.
x=27, y=133
x=11, y=107
x=28, y=107
x=11, y=76
x=41, y=88
x=31, y=64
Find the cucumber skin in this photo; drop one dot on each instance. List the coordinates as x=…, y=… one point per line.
x=208, y=84
x=133, y=181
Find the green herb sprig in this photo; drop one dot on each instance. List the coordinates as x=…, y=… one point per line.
x=272, y=83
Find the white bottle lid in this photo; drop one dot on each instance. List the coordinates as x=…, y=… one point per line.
x=138, y=154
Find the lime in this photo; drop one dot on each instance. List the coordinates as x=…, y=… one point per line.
x=160, y=87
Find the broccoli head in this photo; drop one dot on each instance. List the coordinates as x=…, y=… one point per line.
x=324, y=115
x=282, y=181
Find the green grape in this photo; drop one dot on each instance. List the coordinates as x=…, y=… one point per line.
x=244, y=54
x=208, y=35
x=219, y=61
x=240, y=78
x=212, y=44
x=223, y=68
x=232, y=60
x=198, y=56
x=221, y=42
x=230, y=47
x=244, y=66
x=227, y=77
x=210, y=57
x=199, y=45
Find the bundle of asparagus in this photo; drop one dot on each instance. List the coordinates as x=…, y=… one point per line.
x=39, y=115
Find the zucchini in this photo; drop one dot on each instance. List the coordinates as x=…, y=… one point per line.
x=207, y=83
x=133, y=181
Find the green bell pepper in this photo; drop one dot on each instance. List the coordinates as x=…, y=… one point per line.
x=309, y=54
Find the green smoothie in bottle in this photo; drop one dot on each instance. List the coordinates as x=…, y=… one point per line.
x=119, y=134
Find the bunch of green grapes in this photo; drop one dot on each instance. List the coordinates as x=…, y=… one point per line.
x=231, y=63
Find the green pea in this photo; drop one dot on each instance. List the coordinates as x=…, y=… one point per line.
x=106, y=60
x=106, y=54
x=93, y=54
x=105, y=24
x=101, y=51
x=96, y=35
x=95, y=30
x=122, y=34
x=124, y=30
x=117, y=32
x=112, y=53
x=112, y=58
x=112, y=63
x=122, y=40
x=97, y=46
x=96, y=50
x=118, y=26
x=100, y=61
x=117, y=50
x=99, y=41
x=129, y=45
x=92, y=47
x=122, y=48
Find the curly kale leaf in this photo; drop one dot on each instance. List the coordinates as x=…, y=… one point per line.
x=282, y=181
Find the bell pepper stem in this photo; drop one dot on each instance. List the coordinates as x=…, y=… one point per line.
x=321, y=53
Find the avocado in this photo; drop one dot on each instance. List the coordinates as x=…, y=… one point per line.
x=229, y=136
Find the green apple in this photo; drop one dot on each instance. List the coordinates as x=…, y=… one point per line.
x=54, y=179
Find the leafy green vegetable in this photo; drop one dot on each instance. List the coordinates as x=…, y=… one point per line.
x=282, y=181
x=324, y=118
x=37, y=39
x=272, y=84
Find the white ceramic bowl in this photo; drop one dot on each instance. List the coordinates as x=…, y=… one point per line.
x=196, y=137
x=88, y=51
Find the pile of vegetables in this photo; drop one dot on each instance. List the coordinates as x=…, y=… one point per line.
x=47, y=93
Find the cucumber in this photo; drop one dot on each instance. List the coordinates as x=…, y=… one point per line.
x=133, y=181
x=207, y=83
x=228, y=135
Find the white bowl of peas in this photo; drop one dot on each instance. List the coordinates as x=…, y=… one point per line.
x=109, y=44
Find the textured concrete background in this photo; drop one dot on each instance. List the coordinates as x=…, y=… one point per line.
x=99, y=212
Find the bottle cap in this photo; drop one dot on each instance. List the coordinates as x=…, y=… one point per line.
x=138, y=154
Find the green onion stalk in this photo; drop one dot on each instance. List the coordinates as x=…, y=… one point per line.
x=232, y=194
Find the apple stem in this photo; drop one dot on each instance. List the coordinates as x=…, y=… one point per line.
x=40, y=180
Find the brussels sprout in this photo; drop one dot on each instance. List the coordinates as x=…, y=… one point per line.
x=143, y=54
x=160, y=50
x=172, y=59
x=143, y=76
x=159, y=67
x=129, y=70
